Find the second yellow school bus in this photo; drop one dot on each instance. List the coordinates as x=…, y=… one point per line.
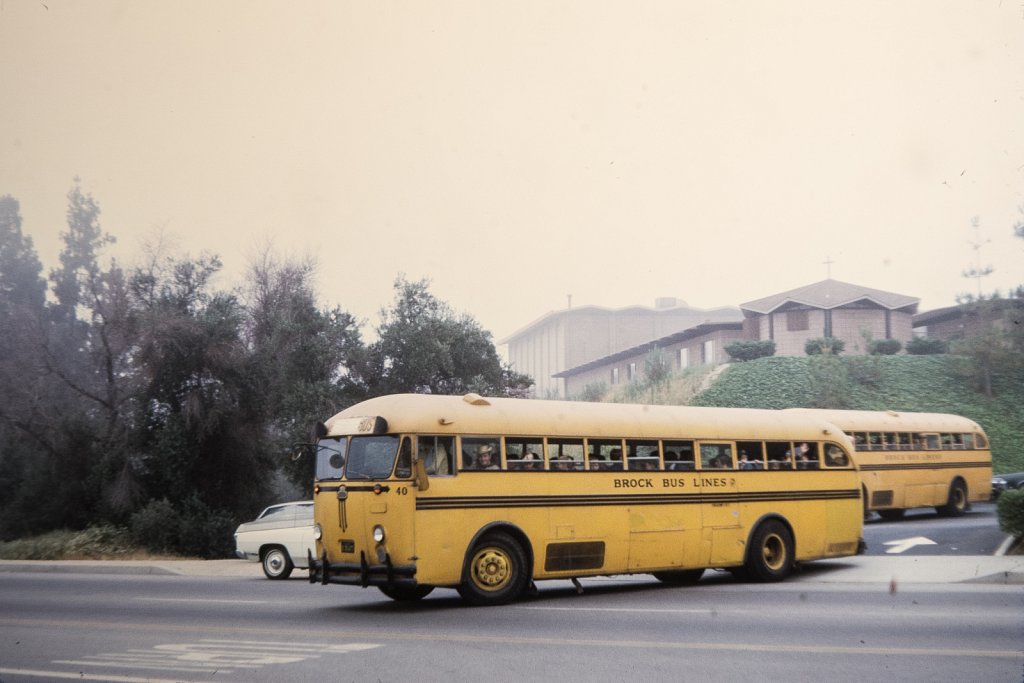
x=488, y=495
x=914, y=460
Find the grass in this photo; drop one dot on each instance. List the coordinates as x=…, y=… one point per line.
x=94, y=543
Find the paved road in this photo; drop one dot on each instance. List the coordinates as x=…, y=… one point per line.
x=157, y=628
x=976, y=533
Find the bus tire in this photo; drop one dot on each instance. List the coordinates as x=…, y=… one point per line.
x=680, y=577
x=770, y=556
x=406, y=593
x=956, y=504
x=891, y=514
x=276, y=563
x=495, y=571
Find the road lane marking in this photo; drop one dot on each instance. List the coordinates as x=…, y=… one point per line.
x=518, y=640
x=905, y=544
x=82, y=676
x=211, y=600
x=214, y=656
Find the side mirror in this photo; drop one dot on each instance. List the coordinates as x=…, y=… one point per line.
x=300, y=449
x=419, y=472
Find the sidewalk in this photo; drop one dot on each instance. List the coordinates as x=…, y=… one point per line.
x=926, y=569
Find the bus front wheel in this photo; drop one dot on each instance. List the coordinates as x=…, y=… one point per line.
x=406, y=593
x=956, y=504
x=680, y=577
x=770, y=556
x=495, y=571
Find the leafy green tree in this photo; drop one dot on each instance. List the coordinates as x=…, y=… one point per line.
x=423, y=346
x=657, y=370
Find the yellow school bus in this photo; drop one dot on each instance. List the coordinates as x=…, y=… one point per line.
x=488, y=495
x=915, y=460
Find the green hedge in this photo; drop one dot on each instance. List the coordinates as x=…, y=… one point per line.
x=1010, y=509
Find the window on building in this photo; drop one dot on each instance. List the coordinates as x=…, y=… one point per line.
x=797, y=321
x=684, y=358
x=631, y=372
x=615, y=375
x=709, y=351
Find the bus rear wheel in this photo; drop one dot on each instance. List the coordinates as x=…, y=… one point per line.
x=406, y=593
x=495, y=571
x=956, y=504
x=770, y=556
x=681, y=577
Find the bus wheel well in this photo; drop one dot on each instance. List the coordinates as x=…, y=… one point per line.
x=771, y=550
x=957, y=500
x=511, y=530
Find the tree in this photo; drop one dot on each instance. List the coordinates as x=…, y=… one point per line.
x=23, y=422
x=657, y=369
x=302, y=356
x=423, y=346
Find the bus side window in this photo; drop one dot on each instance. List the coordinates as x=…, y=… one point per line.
x=980, y=441
x=481, y=453
x=835, y=457
x=807, y=456
x=969, y=441
x=679, y=455
x=860, y=441
x=404, y=466
x=779, y=455
x=524, y=455
x=642, y=455
x=931, y=442
x=716, y=456
x=436, y=454
x=565, y=454
x=751, y=455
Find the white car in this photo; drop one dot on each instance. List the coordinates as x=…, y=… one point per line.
x=279, y=538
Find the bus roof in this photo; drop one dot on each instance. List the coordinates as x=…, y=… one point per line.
x=473, y=414
x=892, y=421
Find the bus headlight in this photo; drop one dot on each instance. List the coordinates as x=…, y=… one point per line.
x=318, y=533
x=378, y=533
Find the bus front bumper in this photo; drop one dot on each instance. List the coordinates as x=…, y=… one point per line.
x=360, y=574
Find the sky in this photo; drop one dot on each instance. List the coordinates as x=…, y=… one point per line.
x=525, y=156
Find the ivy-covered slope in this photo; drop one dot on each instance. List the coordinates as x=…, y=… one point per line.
x=935, y=384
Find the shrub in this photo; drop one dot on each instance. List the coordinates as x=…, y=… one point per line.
x=1010, y=509
x=750, y=350
x=922, y=346
x=884, y=347
x=194, y=529
x=824, y=346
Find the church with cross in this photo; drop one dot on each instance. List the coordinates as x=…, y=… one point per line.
x=565, y=351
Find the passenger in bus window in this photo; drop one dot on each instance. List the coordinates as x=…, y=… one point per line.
x=485, y=458
x=834, y=457
x=616, y=459
x=531, y=461
x=745, y=463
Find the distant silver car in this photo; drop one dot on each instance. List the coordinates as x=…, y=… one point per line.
x=279, y=538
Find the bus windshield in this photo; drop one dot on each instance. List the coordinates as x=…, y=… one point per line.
x=371, y=457
x=330, y=458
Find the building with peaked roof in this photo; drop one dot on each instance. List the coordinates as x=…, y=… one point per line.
x=830, y=308
x=573, y=337
x=564, y=351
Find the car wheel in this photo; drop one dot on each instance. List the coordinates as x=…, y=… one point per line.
x=276, y=563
